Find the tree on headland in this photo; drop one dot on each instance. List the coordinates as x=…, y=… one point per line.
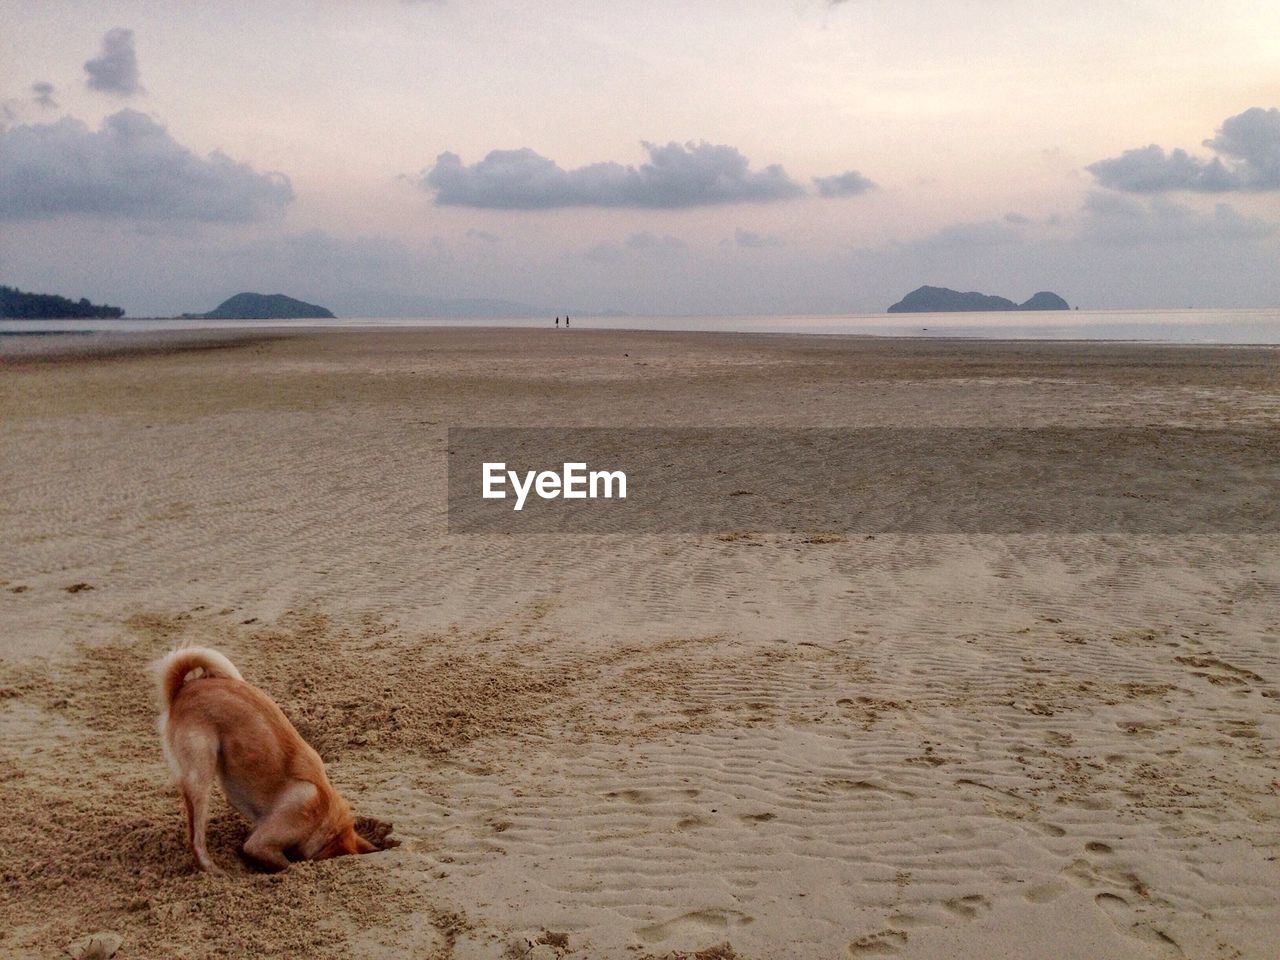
x=15, y=304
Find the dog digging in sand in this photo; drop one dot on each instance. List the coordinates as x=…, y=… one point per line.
x=215, y=726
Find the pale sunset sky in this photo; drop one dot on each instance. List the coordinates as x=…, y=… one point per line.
x=759, y=156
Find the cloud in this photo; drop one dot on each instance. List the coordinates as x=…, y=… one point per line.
x=317, y=249
x=985, y=233
x=640, y=247
x=1112, y=219
x=746, y=238
x=848, y=184
x=604, y=253
x=115, y=69
x=676, y=176
x=644, y=240
x=42, y=94
x=328, y=261
x=1253, y=139
x=1249, y=141
x=131, y=167
x=483, y=235
x=1151, y=170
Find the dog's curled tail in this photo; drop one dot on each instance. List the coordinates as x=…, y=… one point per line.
x=175, y=668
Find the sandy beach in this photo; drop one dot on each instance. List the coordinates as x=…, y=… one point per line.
x=744, y=744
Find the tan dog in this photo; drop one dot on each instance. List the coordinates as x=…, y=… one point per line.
x=214, y=725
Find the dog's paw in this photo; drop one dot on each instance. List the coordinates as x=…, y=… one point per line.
x=96, y=946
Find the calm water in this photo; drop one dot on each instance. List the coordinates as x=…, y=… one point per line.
x=1169, y=326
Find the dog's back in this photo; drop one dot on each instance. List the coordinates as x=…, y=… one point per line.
x=203, y=694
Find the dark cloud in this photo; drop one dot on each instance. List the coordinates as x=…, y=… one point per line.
x=1151, y=170
x=848, y=184
x=1249, y=142
x=42, y=94
x=746, y=238
x=131, y=167
x=115, y=68
x=677, y=175
x=1111, y=219
x=1252, y=139
x=483, y=235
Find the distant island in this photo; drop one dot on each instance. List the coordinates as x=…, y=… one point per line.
x=942, y=300
x=262, y=306
x=15, y=304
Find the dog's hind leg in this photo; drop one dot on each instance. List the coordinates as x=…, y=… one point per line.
x=198, y=762
x=197, y=805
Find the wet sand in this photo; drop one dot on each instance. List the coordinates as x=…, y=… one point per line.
x=795, y=745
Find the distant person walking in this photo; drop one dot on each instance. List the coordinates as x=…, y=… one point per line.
x=566, y=320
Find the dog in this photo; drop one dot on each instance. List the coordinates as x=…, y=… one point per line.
x=215, y=725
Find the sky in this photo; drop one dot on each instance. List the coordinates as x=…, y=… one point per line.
x=754, y=156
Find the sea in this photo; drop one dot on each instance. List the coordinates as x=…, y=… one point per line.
x=1253, y=326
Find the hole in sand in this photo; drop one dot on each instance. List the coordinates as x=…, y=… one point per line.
x=378, y=832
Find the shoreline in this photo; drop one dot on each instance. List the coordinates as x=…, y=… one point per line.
x=28, y=347
x=1240, y=327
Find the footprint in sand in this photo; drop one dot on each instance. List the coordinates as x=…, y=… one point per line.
x=968, y=907
x=697, y=923
x=866, y=786
x=1128, y=910
x=1125, y=918
x=631, y=796
x=1046, y=892
x=883, y=943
